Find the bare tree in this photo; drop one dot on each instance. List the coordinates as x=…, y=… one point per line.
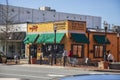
x=7, y=21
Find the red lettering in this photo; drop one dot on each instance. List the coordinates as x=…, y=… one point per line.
x=34, y=28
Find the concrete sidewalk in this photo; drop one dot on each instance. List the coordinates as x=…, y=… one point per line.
x=82, y=67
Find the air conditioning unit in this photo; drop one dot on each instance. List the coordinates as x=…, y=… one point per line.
x=116, y=28
x=45, y=8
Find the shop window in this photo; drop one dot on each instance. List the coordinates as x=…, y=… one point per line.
x=12, y=48
x=98, y=51
x=3, y=48
x=78, y=50
x=48, y=49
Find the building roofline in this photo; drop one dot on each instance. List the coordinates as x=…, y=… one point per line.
x=53, y=12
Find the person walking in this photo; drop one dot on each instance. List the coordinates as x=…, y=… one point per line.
x=70, y=55
x=64, y=57
x=110, y=57
x=15, y=58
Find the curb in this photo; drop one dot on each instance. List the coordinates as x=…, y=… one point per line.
x=111, y=70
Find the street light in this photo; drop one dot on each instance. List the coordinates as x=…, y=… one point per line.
x=55, y=30
x=118, y=35
x=105, y=28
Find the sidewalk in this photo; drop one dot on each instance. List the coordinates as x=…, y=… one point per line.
x=82, y=67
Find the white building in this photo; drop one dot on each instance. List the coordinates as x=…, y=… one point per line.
x=44, y=14
x=14, y=39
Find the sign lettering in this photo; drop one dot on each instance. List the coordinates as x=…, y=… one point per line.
x=60, y=25
x=33, y=28
x=78, y=26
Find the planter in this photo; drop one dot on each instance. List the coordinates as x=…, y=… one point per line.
x=33, y=61
x=114, y=65
x=103, y=65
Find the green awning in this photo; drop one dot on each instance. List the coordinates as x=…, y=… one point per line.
x=79, y=38
x=30, y=38
x=100, y=39
x=49, y=38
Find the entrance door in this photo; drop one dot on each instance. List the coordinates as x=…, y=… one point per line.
x=33, y=51
x=50, y=48
x=78, y=50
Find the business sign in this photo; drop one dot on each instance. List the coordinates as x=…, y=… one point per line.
x=78, y=26
x=33, y=28
x=60, y=25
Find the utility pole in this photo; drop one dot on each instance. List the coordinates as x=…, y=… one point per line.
x=6, y=25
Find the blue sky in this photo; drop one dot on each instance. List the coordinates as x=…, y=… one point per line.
x=109, y=10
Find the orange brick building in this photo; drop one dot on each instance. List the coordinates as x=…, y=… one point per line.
x=70, y=35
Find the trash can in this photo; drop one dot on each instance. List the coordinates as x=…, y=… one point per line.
x=33, y=60
x=103, y=65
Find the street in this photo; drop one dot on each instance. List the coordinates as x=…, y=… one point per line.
x=39, y=72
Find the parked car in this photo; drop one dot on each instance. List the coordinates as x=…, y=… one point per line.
x=3, y=58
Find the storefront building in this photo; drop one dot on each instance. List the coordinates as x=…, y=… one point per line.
x=100, y=42
x=11, y=41
x=53, y=37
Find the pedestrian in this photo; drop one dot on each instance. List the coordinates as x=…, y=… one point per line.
x=15, y=58
x=110, y=56
x=64, y=56
x=70, y=55
x=41, y=56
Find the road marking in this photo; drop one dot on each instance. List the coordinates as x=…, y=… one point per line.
x=29, y=71
x=36, y=65
x=54, y=75
x=10, y=79
x=96, y=73
x=25, y=76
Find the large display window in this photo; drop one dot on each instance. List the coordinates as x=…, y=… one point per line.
x=48, y=49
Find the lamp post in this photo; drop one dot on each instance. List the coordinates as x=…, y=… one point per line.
x=55, y=30
x=118, y=35
x=88, y=31
x=105, y=28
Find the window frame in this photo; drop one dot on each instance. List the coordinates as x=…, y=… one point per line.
x=82, y=50
x=100, y=53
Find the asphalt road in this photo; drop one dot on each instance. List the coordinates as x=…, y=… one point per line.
x=38, y=72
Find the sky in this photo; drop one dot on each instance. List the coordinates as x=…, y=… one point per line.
x=108, y=10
